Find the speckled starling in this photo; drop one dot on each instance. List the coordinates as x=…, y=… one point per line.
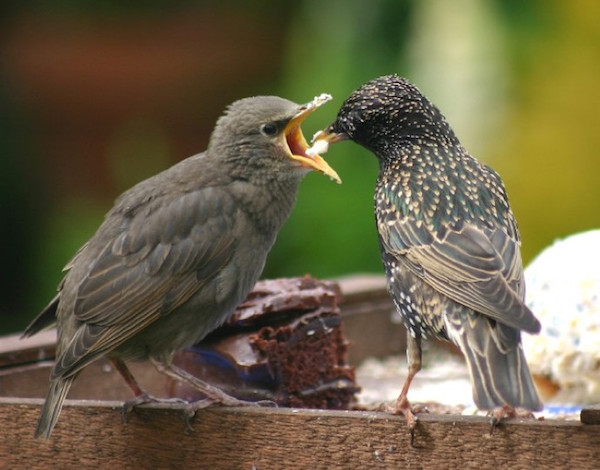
x=448, y=239
x=179, y=251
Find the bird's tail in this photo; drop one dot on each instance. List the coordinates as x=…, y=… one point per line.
x=497, y=366
x=55, y=399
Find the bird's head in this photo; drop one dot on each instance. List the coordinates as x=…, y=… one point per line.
x=384, y=112
x=262, y=135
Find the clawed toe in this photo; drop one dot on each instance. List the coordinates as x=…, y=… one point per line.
x=264, y=404
x=419, y=408
x=142, y=399
x=138, y=400
x=498, y=414
x=191, y=408
x=403, y=407
x=228, y=400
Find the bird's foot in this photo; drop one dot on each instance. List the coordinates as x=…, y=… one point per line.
x=225, y=400
x=505, y=412
x=142, y=399
x=499, y=414
x=403, y=407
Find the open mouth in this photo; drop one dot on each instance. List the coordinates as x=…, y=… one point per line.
x=297, y=144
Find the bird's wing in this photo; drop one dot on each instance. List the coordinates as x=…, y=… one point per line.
x=164, y=255
x=47, y=317
x=479, y=268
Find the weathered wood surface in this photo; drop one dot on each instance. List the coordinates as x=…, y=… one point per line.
x=91, y=435
x=591, y=415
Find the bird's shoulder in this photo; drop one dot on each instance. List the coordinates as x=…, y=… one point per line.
x=191, y=174
x=161, y=237
x=441, y=187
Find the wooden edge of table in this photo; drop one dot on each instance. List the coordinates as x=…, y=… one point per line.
x=92, y=433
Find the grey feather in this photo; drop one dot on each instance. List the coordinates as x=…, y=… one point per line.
x=177, y=252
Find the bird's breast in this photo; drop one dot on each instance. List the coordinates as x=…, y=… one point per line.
x=419, y=306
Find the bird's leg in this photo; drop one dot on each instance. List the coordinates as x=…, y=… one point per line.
x=413, y=354
x=213, y=394
x=127, y=376
x=140, y=395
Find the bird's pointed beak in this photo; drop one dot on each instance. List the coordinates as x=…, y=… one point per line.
x=329, y=137
x=297, y=143
x=321, y=140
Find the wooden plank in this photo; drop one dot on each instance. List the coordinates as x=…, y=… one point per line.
x=98, y=381
x=17, y=350
x=591, y=414
x=91, y=435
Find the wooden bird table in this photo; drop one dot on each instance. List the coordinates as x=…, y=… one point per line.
x=91, y=433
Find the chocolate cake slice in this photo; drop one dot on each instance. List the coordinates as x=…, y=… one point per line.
x=285, y=343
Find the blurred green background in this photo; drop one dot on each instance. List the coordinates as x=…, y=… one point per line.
x=95, y=96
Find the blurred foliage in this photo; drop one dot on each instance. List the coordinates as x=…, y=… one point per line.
x=517, y=80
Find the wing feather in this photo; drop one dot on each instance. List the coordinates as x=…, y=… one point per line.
x=158, y=259
x=478, y=267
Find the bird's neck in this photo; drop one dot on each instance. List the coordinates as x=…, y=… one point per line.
x=427, y=129
x=267, y=203
x=441, y=183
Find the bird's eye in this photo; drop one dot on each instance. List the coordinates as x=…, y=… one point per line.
x=269, y=129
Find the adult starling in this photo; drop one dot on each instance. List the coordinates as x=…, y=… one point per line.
x=448, y=239
x=179, y=251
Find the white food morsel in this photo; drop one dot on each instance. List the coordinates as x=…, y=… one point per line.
x=320, y=146
x=563, y=291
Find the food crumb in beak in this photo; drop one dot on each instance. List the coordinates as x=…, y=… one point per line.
x=318, y=147
x=319, y=100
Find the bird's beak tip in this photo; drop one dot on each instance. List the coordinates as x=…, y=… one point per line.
x=297, y=145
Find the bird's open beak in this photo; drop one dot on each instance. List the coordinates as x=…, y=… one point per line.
x=297, y=143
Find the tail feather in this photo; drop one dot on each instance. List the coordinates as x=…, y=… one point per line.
x=497, y=366
x=59, y=388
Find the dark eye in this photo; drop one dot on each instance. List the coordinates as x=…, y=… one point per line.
x=269, y=129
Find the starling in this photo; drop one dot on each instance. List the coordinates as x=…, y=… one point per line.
x=448, y=238
x=179, y=251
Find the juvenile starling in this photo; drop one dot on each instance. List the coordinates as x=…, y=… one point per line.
x=179, y=251
x=448, y=239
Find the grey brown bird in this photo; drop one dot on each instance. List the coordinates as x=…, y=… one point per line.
x=179, y=251
x=448, y=238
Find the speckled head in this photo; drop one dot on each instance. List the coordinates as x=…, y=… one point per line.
x=386, y=111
